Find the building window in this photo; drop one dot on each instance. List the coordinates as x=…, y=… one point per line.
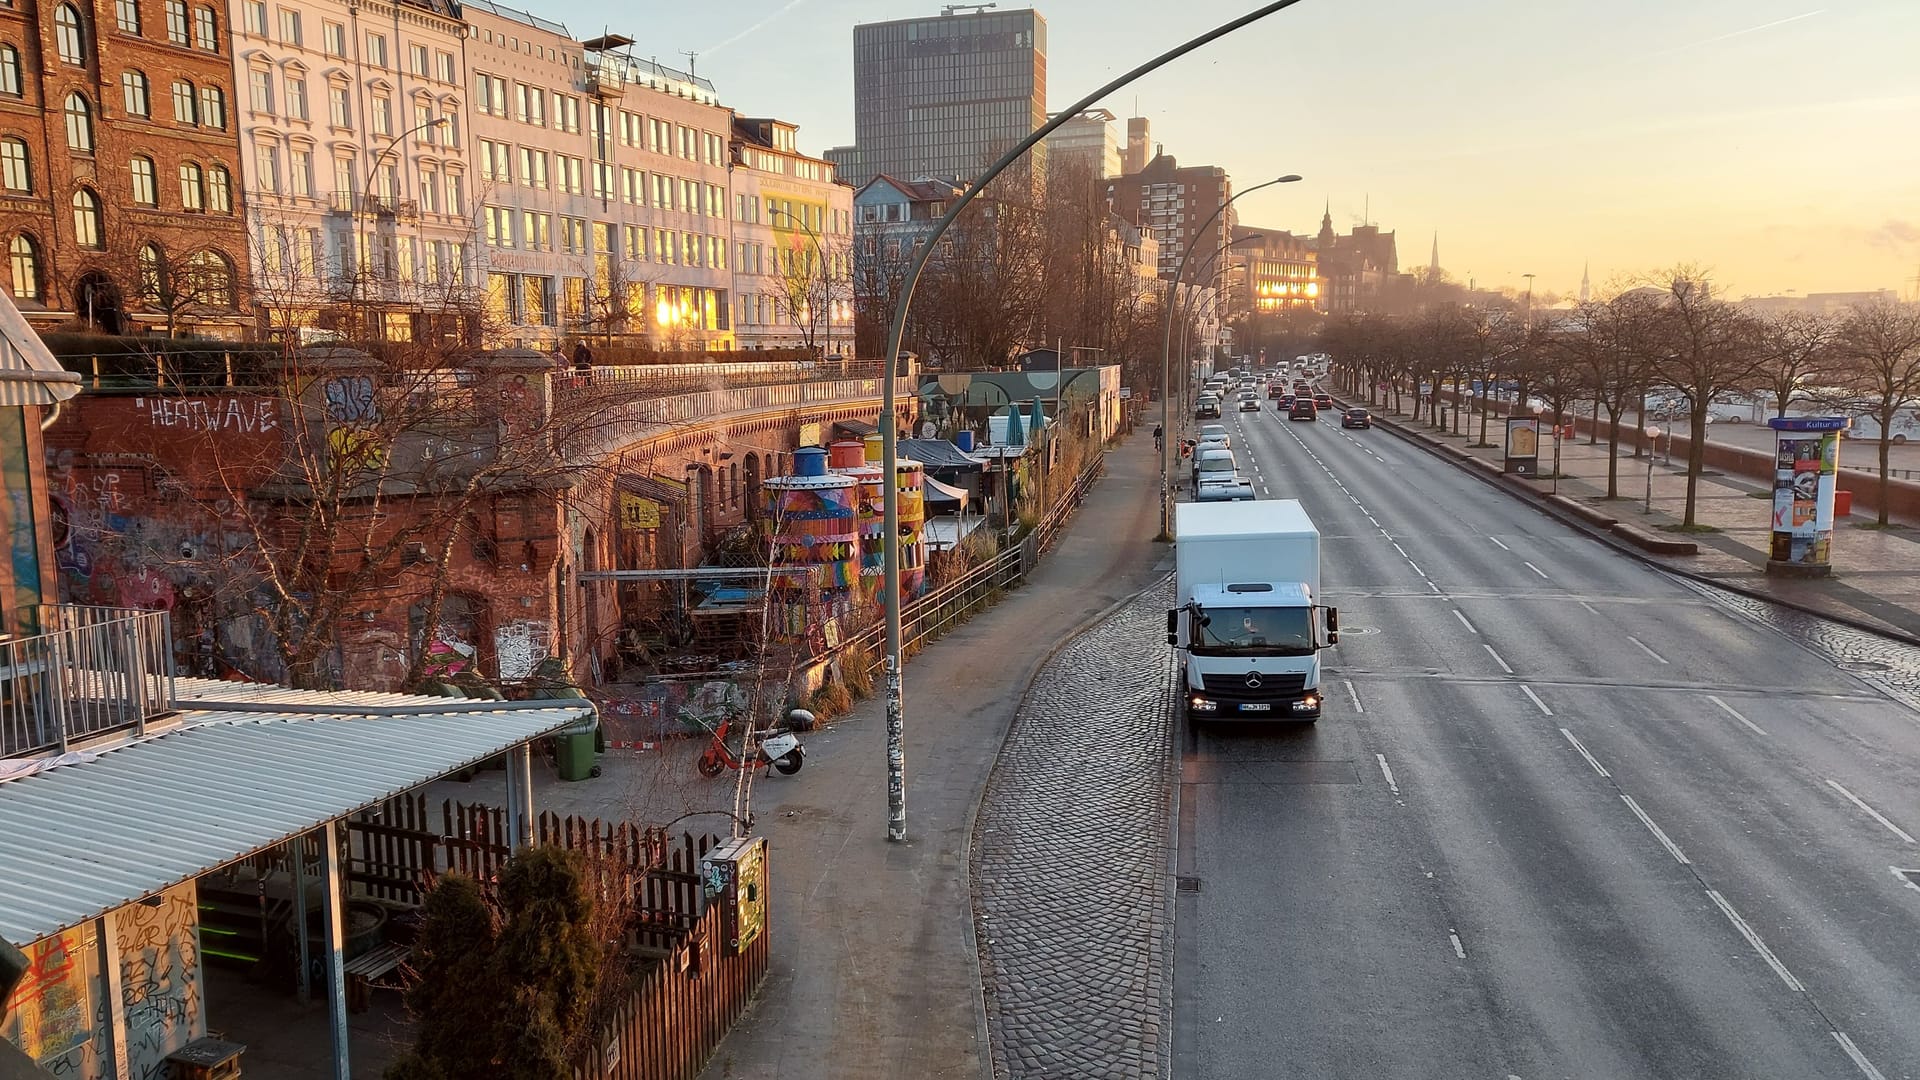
x=254, y=17
x=177, y=21
x=206, y=29
x=289, y=27
x=334, y=37
x=417, y=60
x=429, y=190
x=86, y=220
x=184, y=110
x=16, y=168
x=296, y=98
x=260, y=91
x=69, y=34
x=151, y=266
x=134, y=94
x=193, y=190
x=24, y=257
x=220, y=188
x=213, y=108
x=382, y=115
x=212, y=278
x=456, y=195
x=376, y=49
x=146, y=192
x=300, y=173
x=339, y=107
x=9, y=71
x=79, y=124
x=443, y=64
x=126, y=15
x=499, y=227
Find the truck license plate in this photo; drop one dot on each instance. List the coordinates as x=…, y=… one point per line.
x=1256, y=706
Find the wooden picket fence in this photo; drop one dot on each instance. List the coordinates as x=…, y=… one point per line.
x=692, y=986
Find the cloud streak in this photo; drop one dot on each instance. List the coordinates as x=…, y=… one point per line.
x=1740, y=33
x=755, y=28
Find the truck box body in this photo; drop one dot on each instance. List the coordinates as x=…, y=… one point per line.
x=1247, y=581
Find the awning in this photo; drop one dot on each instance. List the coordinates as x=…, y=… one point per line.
x=937, y=454
x=79, y=840
x=29, y=374
x=854, y=429
x=945, y=496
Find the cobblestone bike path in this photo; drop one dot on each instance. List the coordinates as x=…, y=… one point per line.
x=1070, y=860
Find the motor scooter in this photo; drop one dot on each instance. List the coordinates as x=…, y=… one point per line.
x=779, y=747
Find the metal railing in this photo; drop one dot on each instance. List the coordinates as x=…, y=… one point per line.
x=87, y=671
x=661, y=380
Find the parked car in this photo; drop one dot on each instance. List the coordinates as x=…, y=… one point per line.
x=1234, y=490
x=1356, y=418
x=1302, y=409
x=1213, y=464
x=1210, y=432
x=1206, y=407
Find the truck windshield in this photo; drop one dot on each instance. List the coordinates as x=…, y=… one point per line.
x=1253, y=632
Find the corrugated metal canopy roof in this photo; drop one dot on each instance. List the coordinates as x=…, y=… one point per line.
x=81, y=840
x=29, y=375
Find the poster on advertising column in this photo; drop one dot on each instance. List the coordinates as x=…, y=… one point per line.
x=1805, y=468
x=1523, y=445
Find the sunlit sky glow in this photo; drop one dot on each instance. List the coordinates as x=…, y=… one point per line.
x=1775, y=141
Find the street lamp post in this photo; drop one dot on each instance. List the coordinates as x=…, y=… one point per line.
x=1653, y=434
x=1529, y=278
x=358, y=204
x=1166, y=342
x=896, y=331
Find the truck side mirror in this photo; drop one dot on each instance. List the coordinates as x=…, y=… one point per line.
x=1173, y=626
x=1333, y=626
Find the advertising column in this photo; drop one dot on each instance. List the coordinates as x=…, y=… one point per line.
x=1806, y=464
x=1523, y=445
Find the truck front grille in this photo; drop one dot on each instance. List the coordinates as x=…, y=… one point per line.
x=1234, y=687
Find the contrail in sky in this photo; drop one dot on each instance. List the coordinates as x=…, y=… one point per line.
x=1742, y=33
x=756, y=27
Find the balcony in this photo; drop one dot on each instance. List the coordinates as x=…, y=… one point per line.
x=348, y=202
x=604, y=80
x=89, y=671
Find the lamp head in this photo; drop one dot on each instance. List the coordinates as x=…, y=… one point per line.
x=1288, y=179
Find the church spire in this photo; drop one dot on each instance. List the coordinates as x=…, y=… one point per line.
x=1433, y=267
x=1586, y=285
x=1326, y=221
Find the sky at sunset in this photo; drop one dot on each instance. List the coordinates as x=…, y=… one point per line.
x=1775, y=141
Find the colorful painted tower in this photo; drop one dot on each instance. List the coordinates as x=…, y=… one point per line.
x=816, y=545
x=909, y=475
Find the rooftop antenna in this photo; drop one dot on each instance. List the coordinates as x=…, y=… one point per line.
x=691, y=57
x=975, y=8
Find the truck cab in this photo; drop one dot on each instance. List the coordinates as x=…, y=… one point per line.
x=1249, y=625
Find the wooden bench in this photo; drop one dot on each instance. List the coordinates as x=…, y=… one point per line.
x=372, y=970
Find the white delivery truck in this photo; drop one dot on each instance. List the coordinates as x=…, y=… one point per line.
x=1249, y=625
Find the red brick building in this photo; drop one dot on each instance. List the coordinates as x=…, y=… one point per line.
x=120, y=194
x=1174, y=200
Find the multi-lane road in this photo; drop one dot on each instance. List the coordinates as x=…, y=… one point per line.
x=1565, y=815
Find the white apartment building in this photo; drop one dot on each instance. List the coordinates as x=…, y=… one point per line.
x=792, y=244
x=1089, y=141
x=353, y=129
x=602, y=187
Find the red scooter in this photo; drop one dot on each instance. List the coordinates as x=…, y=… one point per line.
x=778, y=747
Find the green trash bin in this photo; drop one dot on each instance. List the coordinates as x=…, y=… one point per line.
x=573, y=749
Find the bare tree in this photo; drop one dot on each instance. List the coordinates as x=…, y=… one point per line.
x=1878, y=347
x=812, y=280
x=1712, y=347
x=1797, y=347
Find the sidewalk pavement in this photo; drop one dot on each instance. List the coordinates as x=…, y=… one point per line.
x=875, y=970
x=1875, y=582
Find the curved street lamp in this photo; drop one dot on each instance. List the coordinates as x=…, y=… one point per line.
x=1166, y=343
x=890, y=492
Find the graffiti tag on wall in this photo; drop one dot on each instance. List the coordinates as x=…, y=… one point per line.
x=160, y=978
x=211, y=414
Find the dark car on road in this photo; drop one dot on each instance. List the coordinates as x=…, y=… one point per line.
x=1302, y=409
x=1285, y=403
x=1323, y=401
x=1356, y=418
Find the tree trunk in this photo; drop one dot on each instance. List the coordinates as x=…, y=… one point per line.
x=1593, y=433
x=1613, y=453
x=1886, y=445
x=1696, y=454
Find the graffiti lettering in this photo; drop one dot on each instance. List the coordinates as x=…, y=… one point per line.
x=160, y=978
x=211, y=414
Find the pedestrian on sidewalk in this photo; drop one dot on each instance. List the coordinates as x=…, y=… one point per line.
x=1158, y=436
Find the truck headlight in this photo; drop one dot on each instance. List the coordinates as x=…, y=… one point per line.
x=1200, y=704
x=1307, y=704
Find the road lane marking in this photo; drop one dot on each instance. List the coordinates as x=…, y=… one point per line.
x=1759, y=946
x=1859, y=1059
x=1589, y=607
x=1375, y=523
x=1464, y=622
x=1730, y=711
x=1535, y=569
x=1355, y=695
x=1645, y=649
x=1871, y=812
x=1387, y=771
x=1498, y=544
x=1432, y=586
x=1402, y=551
x=1416, y=568
x=1902, y=876
x=1535, y=698
x=1591, y=760
x=1497, y=660
x=1459, y=950
x=1659, y=834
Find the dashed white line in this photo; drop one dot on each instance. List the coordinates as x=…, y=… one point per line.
x=1433, y=586
x=1859, y=1059
x=1759, y=946
x=1402, y=551
x=1643, y=648
x=1355, y=696
x=1659, y=834
x=1387, y=771
x=1497, y=660
x=1375, y=523
x=1464, y=622
x=1459, y=950
x=1904, y=878
x=1535, y=698
x=1535, y=569
x=1591, y=760
x=1730, y=711
x=1871, y=812
x=1589, y=607
x=1498, y=544
x=1416, y=568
